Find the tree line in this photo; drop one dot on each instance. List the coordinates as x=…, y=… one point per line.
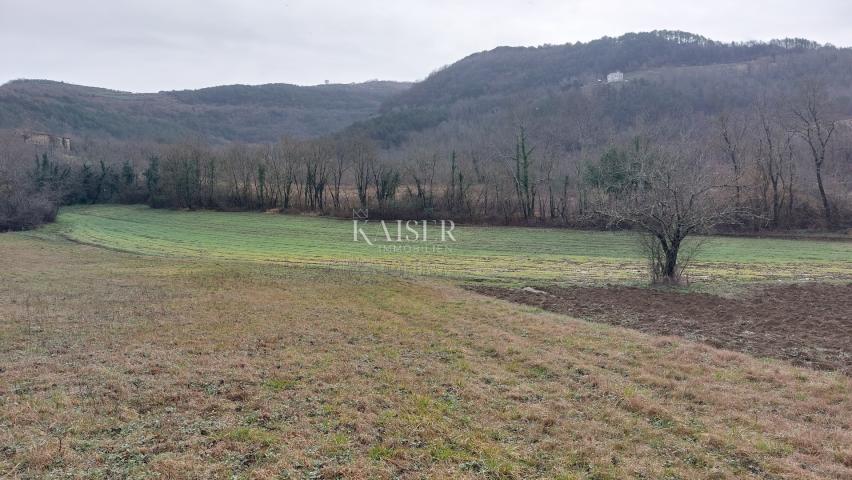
x=785, y=163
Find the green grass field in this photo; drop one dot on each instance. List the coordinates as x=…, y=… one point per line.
x=480, y=253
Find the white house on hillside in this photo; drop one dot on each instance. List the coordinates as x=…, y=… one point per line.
x=615, y=76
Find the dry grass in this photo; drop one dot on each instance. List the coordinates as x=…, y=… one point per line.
x=124, y=367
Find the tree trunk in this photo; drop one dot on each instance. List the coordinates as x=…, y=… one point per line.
x=670, y=271
x=825, y=205
x=671, y=266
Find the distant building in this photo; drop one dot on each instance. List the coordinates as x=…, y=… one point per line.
x=47, y=140
x=615, y=77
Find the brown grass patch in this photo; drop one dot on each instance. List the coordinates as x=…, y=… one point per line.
x=118, y=366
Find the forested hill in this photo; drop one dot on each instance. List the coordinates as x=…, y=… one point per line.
x=666, y=71
x=508, y=69
x=219, y=114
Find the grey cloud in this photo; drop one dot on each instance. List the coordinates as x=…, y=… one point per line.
x=159, y=45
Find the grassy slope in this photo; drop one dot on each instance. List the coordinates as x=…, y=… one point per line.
x=118, y=365
x=508, y=254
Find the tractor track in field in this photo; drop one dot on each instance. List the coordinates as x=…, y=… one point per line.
x=806, y=324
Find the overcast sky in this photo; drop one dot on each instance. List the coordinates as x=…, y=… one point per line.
x=151, y=45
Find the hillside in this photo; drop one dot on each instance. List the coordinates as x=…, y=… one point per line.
x=220, y=114
x=667, y=72
x=511, y=69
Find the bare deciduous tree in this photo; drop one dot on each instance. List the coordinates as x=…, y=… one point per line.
x=524, y=182
x=817, y=130
x=673, y=197
x=733, y=130
x=363, y=158
x=774, y=157
x=339, y=166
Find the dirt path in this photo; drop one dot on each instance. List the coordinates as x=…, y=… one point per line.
x=808, y=324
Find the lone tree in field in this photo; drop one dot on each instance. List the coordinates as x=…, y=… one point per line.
x=670, y=197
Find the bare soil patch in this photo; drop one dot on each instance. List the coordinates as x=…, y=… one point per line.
x=806, y=324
